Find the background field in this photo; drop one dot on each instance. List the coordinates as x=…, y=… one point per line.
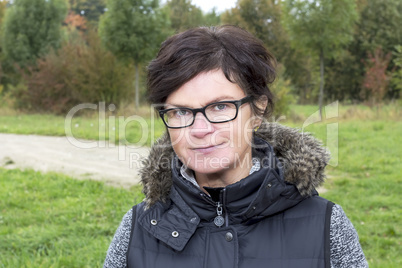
x=51, y=220
x=87, y=52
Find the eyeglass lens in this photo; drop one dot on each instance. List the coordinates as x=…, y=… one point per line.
x=215, y=113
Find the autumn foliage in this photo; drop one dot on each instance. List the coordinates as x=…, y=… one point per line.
x=376, y=79
x=79, y=72
x=76, y=21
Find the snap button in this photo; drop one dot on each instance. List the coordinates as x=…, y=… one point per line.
x=229, y=236
x=175, y=234
x=154, y=222
x=269, y=185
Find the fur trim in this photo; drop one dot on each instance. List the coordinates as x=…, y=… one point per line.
x=303, y=158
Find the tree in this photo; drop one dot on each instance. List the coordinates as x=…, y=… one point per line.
x=378, y=26
x=344, y=76
x=282, y=90
x=75, y=21
x=263, y=18
x=3, y=5
x=133, y=30
x=397, y=75
x=90, y=9
x=376, y=79
x=184, y=15
x=321, y=27
x=212, y=18
x=82, y=70
x=31, y=28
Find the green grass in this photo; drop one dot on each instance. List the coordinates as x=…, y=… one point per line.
x=367, y=183
x=392, y=111
x=54, y=221
x=123, y=130
x=140, y=129
x=51, y=220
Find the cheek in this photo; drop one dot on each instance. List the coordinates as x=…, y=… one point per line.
x=244, y=137
x=177, y=138
x=243, y=132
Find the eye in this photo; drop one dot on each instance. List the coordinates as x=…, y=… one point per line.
x=180, y=113
x=220, y=106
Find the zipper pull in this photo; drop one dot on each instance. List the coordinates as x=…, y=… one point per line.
x=219, y=220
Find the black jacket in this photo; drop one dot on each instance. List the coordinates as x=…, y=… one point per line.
x=272, y=218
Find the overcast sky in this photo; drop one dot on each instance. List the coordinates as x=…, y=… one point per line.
x=221, y=5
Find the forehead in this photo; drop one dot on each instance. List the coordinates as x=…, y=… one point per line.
x=205, y=88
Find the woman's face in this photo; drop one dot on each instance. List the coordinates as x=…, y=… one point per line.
x=209, y=148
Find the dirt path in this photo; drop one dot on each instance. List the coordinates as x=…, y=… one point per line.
x=116, y=165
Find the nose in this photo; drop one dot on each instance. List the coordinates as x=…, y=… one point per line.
x=201, y=126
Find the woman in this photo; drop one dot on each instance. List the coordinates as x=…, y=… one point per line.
x=223, y=188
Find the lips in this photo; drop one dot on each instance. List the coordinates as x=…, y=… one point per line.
x=207, y=149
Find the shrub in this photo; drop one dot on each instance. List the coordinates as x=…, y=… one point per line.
x=376, y=79
x=18, y=96
x=396, y=80
x=79, y=72
x=282, y=90
x=46, y=88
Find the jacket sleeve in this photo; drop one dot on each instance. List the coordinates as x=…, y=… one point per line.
x=346, y=251
x=117, y=252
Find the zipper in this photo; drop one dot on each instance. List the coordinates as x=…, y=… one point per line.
x=223, y=204
x=208, y=199
x=219, y=220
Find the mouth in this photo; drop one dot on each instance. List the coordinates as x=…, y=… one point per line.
x=207, y=149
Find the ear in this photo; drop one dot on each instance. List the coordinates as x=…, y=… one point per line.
x=261, y=104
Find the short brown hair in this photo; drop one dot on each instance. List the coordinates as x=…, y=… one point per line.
x=242, y=57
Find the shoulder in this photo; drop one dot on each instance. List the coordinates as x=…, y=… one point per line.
x=116, y=254
x=313, y=205
x=341, y=226
x=344, y=241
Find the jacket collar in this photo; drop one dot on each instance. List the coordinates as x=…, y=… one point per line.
x=255, y=197
x=302, y=157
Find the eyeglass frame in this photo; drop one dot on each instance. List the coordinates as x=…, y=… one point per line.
x=237, y=103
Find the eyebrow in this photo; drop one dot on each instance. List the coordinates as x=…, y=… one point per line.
x=219, y=99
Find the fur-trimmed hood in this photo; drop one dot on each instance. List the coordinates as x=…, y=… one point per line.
x=302, y=156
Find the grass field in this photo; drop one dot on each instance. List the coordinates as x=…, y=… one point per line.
x=367, y=183
x=117, y=129
x=125, y=128
x=50, y=220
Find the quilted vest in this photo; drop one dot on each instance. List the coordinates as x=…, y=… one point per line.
x=267, y=223
x=297, y=237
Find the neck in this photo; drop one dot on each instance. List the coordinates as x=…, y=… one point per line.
x=239, y=170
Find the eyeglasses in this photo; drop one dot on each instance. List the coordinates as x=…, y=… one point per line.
x=217, y=112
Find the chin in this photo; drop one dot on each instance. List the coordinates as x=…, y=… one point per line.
x=209, y=169
x=210, y=163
